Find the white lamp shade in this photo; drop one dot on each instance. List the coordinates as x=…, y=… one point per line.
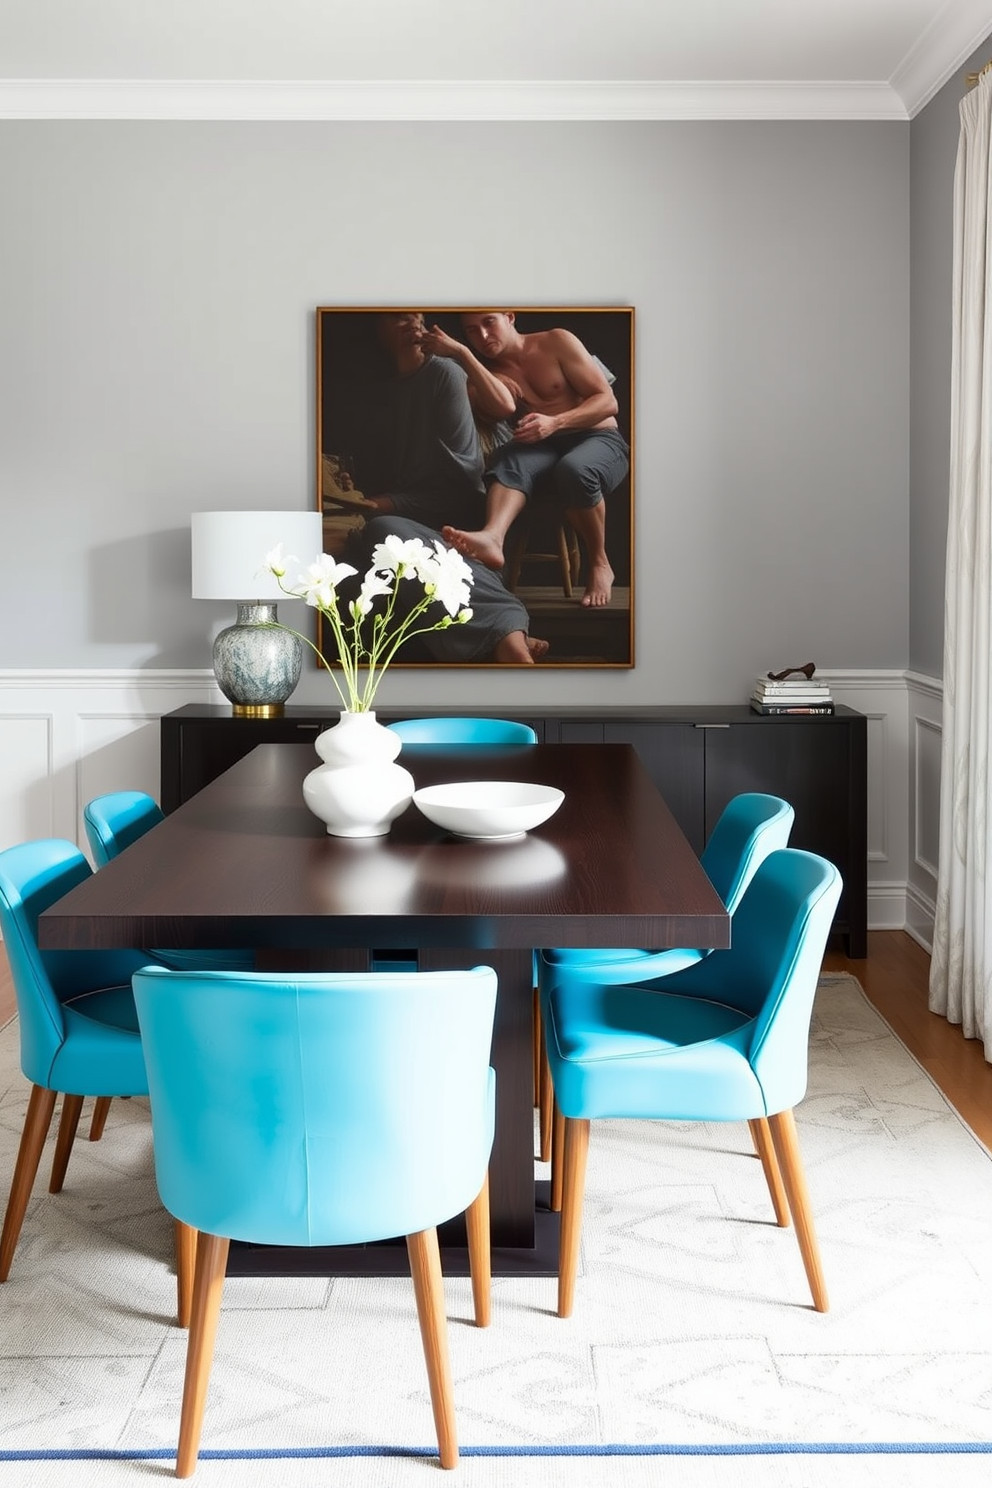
x=230, y=548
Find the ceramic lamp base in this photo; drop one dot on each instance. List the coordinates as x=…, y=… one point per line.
x=257, y=665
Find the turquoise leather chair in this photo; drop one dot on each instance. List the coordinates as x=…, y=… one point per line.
x=78, y=1027
x=723, y=1040
x=322, y=1109
x=116, y=820
x=750, y=826
x=112, y=823
x=463, y=731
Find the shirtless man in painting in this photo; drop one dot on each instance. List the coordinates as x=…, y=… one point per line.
x=435, y=462
x=563, y=417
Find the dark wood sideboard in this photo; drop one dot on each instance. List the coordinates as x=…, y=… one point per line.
x=699, y=757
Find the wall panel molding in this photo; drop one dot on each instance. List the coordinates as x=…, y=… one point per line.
x=881, y=696
x=925, y=701
x=93, y=731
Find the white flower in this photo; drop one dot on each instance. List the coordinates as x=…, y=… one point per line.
x=402, y=556
x=451, y=578
x=277, y=562
x=370, y=647
x=373, y=585
x=318, y=584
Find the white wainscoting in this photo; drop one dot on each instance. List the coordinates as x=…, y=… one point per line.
x=881, y=696
x=925, y=700
x=68, y=736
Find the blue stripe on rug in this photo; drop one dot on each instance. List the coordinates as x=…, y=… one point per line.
x=606, y=1449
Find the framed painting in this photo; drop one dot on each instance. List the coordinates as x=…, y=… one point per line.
x=507, y=434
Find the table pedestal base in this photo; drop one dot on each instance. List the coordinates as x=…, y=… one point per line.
x=389, y=1257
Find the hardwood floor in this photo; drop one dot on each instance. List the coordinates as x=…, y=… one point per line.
x=894, y=975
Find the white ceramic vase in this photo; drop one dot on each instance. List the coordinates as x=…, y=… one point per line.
x=359, y=790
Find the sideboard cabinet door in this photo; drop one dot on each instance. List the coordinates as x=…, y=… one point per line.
x=196, y=748
x=819, y=767
x=672, y=754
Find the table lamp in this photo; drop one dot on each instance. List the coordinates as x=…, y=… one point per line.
x=256, y=665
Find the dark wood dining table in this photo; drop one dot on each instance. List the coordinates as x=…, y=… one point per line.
x=244, y=863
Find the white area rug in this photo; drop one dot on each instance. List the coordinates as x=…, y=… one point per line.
x=693, y=1327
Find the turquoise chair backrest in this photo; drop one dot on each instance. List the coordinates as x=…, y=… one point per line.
x=33, y=877
x=779, y=935
x=463, y=731
x=116, y=820
x=319, y=1109
x=750, y=827
x=798, y=892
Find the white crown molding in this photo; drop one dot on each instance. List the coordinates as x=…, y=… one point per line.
x=117, y=98
x=944, y=46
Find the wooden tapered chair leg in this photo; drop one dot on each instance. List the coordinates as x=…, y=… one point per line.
x=538, y=1044
x=546, y=1102
x=765, y=1148
x=211, y=1263
x=573, y=1190
x=101, y=1109
x=185, y=1271
x=72, y=1106
x=786, y=1139
x=41, y=1105
x=479, y=1254
x=557, y=1154
x=428, y=1287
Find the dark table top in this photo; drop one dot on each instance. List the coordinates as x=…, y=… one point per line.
x=245, y=863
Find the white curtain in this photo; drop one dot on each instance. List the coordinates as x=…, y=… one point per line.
x=961, y=966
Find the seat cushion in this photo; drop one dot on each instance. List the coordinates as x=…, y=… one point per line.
x=110, y=1005
x=653, y=963
x=102, y=1053
x=627, y=1051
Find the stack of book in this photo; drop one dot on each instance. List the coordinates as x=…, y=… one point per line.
x=794, y=695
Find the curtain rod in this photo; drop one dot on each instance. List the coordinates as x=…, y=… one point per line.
x=971, y=78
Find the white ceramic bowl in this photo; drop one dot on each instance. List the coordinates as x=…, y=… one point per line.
x=491, y=809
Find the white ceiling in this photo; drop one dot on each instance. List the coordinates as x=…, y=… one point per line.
x=481, y=58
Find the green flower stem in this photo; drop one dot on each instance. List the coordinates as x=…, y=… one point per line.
x=354, y=656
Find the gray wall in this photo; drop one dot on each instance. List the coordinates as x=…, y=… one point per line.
x=156, y=346
x=933, y=151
